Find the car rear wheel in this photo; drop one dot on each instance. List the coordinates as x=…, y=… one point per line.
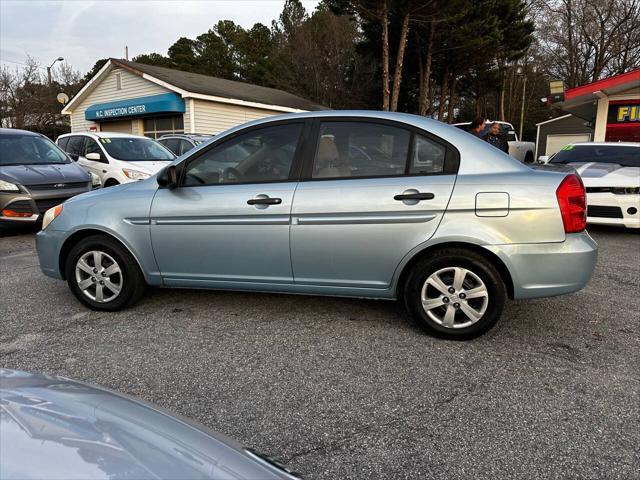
x=103, y=275
x=455, y=293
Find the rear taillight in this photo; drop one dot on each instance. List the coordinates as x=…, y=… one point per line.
x=573, y=204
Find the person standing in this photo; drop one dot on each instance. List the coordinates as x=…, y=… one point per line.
x=477, y=128
x=495, y=138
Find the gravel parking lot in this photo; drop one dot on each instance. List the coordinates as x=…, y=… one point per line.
x=343, y=388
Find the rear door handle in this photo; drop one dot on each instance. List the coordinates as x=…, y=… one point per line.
x=265, y=201
x=415, y=196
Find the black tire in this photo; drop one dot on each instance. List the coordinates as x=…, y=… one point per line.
x=132, y=283
x=442, y=260
x=111, y=183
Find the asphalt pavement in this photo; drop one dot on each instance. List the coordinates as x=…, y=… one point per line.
x=346, y=388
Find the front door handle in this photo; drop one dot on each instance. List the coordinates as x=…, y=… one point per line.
x=415, y=196
x=264, y=201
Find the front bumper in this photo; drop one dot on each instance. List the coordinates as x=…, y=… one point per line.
x=549, y=269
x=48, y=245
x=611, y=209
x=35, y=202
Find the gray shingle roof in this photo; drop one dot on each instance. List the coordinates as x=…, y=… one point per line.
x=219, y=87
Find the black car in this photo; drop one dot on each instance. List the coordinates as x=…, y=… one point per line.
x=35, y=175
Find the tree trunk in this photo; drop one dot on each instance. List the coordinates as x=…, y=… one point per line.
x=385, y=55
x=425, y=84
x=452, y=98
x=397, y=74
x=503, y=79
x=444, y=87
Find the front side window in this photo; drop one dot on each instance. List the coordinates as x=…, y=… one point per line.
x=262, y=155
x=29, y=150
x=184, y=146
x=428, y=156
x=360, y=149
x=75, y=146
x=135, y=149
x=625, y=156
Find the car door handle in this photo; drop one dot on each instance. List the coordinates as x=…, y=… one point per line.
x=265, y=201
x=415, y=196
x=104, y=171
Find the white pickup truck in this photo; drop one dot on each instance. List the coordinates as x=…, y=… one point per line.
x=522, y=151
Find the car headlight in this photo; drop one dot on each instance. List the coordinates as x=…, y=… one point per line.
x=8, y=187
x=95, y=180
x=626, y=190
x=50, y=215
x=134, y=174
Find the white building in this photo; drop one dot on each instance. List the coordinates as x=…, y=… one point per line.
x=147, y=100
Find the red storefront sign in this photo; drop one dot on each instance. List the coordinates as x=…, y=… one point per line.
x=623, y=121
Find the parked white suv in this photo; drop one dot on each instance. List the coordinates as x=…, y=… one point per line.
x=116, y=157
x=523, y=151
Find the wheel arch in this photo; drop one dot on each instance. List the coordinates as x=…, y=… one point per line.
x=110, y=182
x=79, y=235
x=488, y=255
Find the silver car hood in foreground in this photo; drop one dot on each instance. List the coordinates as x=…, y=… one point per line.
x=55, y=428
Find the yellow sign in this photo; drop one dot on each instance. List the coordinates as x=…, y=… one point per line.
x=628, y=113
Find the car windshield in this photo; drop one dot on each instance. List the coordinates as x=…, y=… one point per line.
x=135, y=149
x=624, y=155
x=16, y=149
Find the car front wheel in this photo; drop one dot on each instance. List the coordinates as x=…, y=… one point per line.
x=455, y=293
x=103, y=275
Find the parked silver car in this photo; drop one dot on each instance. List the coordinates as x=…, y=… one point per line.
x=55, y=428
x=363, y=204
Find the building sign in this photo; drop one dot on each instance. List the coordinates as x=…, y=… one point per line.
x=166, y=103
x=623, y=121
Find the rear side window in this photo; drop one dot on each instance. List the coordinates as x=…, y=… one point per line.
x=75, y=146
x=360, y=149
x=428, y=156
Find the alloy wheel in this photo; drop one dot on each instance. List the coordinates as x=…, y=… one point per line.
x=454, y=297
x=98, y=276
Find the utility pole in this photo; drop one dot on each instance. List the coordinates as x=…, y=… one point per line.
x=126, y=52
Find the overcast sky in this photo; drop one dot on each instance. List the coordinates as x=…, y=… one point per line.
x=85, y=31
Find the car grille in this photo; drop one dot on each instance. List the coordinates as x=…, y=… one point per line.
x=604, y=212
x=21, y=206
x=56, y=186
x=44, y=205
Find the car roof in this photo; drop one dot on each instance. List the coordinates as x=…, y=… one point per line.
x=607, y=144
x=13, y=131
x=486, y=121
x=103, y=135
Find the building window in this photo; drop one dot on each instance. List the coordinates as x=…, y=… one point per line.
x=118, y=81
x=156, y=127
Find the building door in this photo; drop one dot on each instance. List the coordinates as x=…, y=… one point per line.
x=556, y=142
x=123, y=126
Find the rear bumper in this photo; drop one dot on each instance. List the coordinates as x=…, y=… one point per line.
x=549, y=269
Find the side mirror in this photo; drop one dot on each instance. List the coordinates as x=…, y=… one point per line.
x=96, y=157
x=168, y=177
x=543, y=159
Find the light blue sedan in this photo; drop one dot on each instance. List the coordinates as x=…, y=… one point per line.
x=352, y=203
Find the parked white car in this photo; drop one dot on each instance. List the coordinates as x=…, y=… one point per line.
x=116, y=157
x=523, y=151
x=611, y=174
